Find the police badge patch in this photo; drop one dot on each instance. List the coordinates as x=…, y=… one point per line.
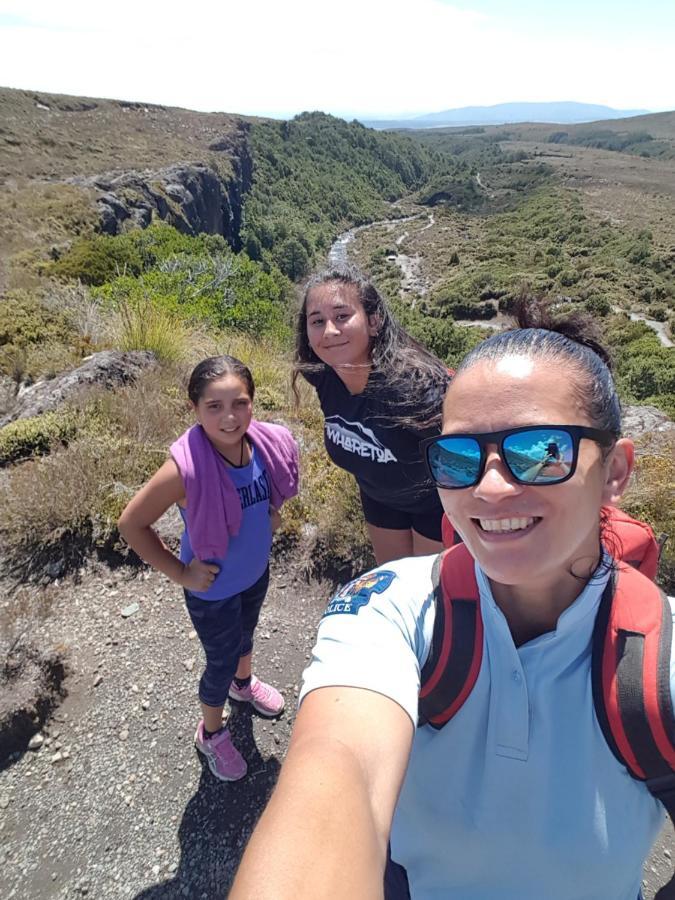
x=351, y=597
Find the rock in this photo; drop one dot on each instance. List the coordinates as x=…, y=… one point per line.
x=193, y=197
x=36, y=742
x=98, y=680
x=129, y=610
x=57, y=757
x=31, y=687
x=4, y=802
x=54, y=569
x=639, y=421
x=189, y=664
x=124, y=734
x=108, y=369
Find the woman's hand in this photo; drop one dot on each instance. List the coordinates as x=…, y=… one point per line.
x=275, y=518
x=198, y=576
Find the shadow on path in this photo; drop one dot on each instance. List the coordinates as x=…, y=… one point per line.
x=218, y=821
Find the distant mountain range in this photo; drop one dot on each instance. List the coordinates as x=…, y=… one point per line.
x=510, y=113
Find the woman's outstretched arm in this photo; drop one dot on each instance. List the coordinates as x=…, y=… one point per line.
x=324, y=833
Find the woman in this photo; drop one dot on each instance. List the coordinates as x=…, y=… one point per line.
x=519, y=796
x=380, y=393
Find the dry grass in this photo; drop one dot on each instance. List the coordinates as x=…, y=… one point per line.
x=147, y=326
x=651, y=496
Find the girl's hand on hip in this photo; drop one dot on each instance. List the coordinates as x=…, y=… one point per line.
x=198, y=575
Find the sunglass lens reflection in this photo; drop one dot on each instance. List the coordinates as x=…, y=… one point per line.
x=540, y=456
x=455, y=462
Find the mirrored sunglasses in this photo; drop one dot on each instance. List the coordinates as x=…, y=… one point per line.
x=536, y=454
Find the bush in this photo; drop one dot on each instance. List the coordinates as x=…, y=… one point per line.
x=31, y=437
x=36, y=340
x=25, y=320
x=99, y=259
x=223, y=291
x=598, y=306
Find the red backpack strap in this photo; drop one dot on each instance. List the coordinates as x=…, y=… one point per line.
x=449, y=536
x=456, y=652
x=632, y=644
x=637, y=544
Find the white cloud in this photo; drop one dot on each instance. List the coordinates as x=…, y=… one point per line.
x=363, y=57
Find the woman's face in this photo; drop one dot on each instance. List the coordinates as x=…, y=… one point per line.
x=522, y=534
x=338, y=329
x=224, y=411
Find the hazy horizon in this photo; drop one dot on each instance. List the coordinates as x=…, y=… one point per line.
x=366, y=59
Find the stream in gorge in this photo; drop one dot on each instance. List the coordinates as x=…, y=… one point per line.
x=414, y=282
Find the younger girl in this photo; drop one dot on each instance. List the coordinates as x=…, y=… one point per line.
x=380, y=392
x=229, y=474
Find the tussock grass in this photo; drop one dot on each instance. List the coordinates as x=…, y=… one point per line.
x=146, y=326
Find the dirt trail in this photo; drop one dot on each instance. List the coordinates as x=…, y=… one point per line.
x=116, y=802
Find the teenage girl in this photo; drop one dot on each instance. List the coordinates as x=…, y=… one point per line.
x=519, y=796
x=229, y=475
x=380, y=393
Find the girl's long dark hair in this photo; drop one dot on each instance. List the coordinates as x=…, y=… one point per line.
x=415, y=379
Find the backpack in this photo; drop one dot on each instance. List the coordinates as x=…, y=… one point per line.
x=630, y=667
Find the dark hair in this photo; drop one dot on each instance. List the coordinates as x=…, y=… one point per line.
x=414, y=376
x=573, y=338
x=215, y=367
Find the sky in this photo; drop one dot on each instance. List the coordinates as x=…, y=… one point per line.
x=352, y=58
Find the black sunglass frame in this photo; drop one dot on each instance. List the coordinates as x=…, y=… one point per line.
x=484, y=439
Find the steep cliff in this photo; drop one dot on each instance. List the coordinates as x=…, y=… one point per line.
x=70, y=164
x=194, y=197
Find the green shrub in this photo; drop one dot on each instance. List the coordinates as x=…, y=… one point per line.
x=98, y=259
x=25, y=320
x=598, y=305
x=36, y=341
x=31, y=437
x=223, y=290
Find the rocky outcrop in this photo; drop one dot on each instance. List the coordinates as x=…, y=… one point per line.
x=108, y=369
x=644, y=421
x=193, y=197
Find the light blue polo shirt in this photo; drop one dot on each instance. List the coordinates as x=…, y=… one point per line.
x=518, y=797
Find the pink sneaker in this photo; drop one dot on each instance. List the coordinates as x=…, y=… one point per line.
x=264, y=698
x=224, y=760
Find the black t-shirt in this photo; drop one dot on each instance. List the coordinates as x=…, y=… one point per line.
x=361, y=437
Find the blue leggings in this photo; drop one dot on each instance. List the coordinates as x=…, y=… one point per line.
x=225, y=628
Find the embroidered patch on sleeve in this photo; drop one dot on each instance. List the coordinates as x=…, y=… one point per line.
x=351, y=597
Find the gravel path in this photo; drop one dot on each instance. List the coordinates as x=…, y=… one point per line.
x=116, y=803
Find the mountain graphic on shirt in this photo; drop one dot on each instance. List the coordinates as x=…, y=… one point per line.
x=356, y=438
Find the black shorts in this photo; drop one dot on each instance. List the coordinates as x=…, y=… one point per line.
x=426, y=522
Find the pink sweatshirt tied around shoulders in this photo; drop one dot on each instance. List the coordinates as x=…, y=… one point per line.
x=213, y=507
